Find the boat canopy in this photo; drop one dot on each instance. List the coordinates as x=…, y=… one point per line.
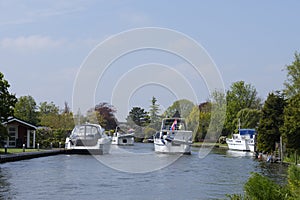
x=250, y=132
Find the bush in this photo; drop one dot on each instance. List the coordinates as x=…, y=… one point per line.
x=259, y=187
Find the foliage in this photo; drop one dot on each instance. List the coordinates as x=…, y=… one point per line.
x=240, y=96
x=270, y=123
x=154, y=114
x=291, y=126
x=138, y=117
x=106, y=116
x=3, y=134
x=26, y=110
x=294, y=180
x=292, y=84
x=183, y=106
x=249, y=118
x=7, y=100
x=198, y=121
x=148, y=132
x=259, y=187
x=50, y=116
x=46, y=136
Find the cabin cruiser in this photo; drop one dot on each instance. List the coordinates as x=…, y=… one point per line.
x=88, y=138
x=122, y=138
x=173, y=137
x=243, y=141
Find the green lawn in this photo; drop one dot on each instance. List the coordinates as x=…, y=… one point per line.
x=199, y=144
x=16, y=150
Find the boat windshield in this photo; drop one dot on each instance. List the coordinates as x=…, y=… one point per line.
x=173, y=124
x=85, y=131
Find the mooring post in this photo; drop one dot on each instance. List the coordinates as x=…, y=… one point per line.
x=23, y=147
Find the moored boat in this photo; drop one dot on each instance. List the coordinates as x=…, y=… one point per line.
x=243, y=141
x=88, y=138
x=122, y=138
x=173, y=137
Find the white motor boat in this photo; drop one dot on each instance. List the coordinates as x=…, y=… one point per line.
x=88, y=138
x=243, y=141
x=173, y=137
x=122, y=138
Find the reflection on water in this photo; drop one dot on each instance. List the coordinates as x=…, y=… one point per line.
x=84, y=177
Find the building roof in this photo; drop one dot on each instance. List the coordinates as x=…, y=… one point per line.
x=13, y=119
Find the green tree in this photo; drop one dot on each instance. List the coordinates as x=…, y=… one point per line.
x=240, y=96
x=154, y=114
x=292, y=84
x=7, y=100
x=138, y=117
x=198, y=121
x=249, y=118
x=7, y=103
x=291, y=126
x=26, y=109
x=49, y=115
x=183, y=106
x=270, y=122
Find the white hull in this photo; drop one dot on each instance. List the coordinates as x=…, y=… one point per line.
x=124, y=140
x=180, y=142
x=171, y=147
x=102, y=147
x=241, y=144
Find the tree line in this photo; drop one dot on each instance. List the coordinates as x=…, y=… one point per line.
x=277, y=116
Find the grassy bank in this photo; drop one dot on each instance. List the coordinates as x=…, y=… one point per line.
x=16, y=150
x=209, y=144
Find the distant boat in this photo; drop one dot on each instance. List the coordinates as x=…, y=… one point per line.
x=173, y=137
x=88, y=138
x=122, y=138
x=243, y=141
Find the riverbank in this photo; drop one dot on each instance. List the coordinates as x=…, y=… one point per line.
x=210, y=144
x=29, y=155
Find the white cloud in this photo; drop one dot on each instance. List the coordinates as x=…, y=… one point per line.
x=33, y=42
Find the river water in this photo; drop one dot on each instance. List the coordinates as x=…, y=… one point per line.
x=119, y=176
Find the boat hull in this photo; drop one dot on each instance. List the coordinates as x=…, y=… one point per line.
x=171, y=147
x=102, y=147
x=241, y=144
x=173, y=142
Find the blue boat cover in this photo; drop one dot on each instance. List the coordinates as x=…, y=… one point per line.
x=250, y=132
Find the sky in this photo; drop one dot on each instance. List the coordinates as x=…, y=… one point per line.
x=44, y=46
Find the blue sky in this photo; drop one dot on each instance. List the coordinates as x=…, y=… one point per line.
x=44, y=43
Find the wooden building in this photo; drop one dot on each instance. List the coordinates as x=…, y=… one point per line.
x=20, y=132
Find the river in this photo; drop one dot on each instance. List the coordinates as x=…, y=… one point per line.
x=106, y=177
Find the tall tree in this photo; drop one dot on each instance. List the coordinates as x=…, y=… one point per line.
x=138, y=117
x=249, y=118
x=291, y=127
x=292, y=84
x=183, y=106
x=154, y=114
x=26, y=109
x=7, y=100
x=271, y=122
x=198, y=121
x=107, y=113
x=7, y=103
x=240, y=96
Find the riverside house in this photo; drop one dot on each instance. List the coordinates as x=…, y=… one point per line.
x=20, y=132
